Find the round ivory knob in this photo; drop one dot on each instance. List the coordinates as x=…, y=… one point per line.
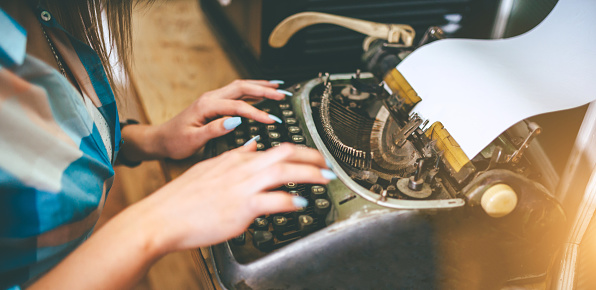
x=499, y=200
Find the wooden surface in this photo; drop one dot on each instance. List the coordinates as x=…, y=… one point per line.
x=176, y=58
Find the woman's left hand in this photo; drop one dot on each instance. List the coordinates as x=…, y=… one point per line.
x=202, y=121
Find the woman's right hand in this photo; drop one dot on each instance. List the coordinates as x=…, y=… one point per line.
x=213, y=201
x=217, y=199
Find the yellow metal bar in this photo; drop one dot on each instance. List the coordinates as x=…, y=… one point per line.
x=453, y=154
x=398, y=84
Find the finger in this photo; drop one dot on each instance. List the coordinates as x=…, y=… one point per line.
x=282, y=173
x=250, y=145
x=214, y=129
x=237, y=108
x=265, y=83
x=218, y=127
x=305, y=155
x=205, y=166
x=288, y=153
x=275, y=202
x=240, y=89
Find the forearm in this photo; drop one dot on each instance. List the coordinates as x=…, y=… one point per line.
x=141, y=142
x=115, y=257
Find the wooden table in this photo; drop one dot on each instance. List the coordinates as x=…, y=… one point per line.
x=176, y=59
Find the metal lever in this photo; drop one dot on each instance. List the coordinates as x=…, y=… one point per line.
x=432, y=33
x=534, y=131
x=394, y=33
x=402, y=135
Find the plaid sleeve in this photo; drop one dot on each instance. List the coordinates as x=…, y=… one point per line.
x=54, y=171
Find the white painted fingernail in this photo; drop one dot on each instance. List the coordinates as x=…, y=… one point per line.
x=277, y=82
x=299, y=201
x=275, y=118
x=285, y=93
x=328, y=174
x=328, y=164
x=253, y=139
x=232, y=123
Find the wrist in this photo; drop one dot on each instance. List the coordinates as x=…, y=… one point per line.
x=155, y=145
x=143, y=142
x=146, y=229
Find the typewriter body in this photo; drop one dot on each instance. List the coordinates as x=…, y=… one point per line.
x=409, y=210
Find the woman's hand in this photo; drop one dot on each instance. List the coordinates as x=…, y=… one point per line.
x=213, y=201
x=202, y=120
x=218, y=198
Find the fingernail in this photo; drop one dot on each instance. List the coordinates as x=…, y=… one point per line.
x=328, y=164
x=299, y=201
x=232, y=123
x=328, y=174
x=253, y=139
x=285, y=93
x=275, y=118
x=277, y=82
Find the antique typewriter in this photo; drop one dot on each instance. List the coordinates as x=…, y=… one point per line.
x=409, y=210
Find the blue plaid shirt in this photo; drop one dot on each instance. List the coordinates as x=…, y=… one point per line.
x=55, y=172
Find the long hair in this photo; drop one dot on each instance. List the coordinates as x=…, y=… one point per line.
x=83, y=19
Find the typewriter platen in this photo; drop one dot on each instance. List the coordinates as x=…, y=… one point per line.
x=408, y=210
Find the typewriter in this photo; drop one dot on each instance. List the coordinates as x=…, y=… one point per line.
x=409, y=210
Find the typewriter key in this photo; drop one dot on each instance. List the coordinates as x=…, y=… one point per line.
x=322, y=206
x=294, y=192
x=275, y=144
x=284, y=106
x=239, y=240
x=266, y=110
x=294, y=129
x=261, y=224
x=317, y=191
x=240, y=141
x=279, y=223
x=305, y=223
x=262, y=240
x=297, y=138
x=271, y=127
x=253, y=130
x=291, y=121
x=251, y=121
x=291, y=185
x=238, y=133
x=287, y=113
x=260, y=146
x=274, y=135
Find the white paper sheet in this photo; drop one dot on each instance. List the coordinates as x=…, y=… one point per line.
x=479, y=88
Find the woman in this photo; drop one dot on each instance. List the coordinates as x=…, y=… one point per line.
x=60, y=137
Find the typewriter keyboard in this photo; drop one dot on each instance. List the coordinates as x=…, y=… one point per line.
x=270, y=232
